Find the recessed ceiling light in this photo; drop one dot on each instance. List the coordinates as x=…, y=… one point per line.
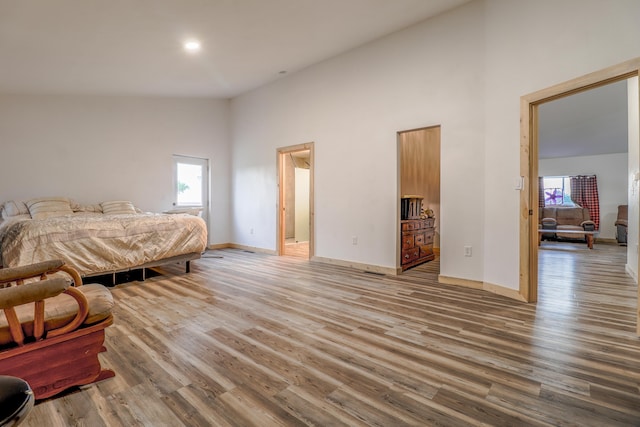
x=192, y=46
x=282, y=72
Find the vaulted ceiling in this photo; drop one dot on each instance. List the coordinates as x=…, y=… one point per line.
x=135, y=46
x=585, y=124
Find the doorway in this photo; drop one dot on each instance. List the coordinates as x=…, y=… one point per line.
x=419, y=175
x=295, y=201
x=529, y=216
x=583, y=146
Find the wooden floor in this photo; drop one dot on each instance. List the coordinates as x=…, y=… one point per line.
x=257, y=340
x=297, y=249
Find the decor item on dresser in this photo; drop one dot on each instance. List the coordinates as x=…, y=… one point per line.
x=621, y=224
x=97, y=239
x=417, y=233
x=410, y=207
x=53, y=327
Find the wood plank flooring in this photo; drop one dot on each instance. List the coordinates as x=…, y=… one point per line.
x=297, y=249
x=250, y=339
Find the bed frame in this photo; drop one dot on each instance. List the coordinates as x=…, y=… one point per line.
x=186, y=258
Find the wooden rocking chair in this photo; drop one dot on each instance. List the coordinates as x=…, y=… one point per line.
x=52, y=328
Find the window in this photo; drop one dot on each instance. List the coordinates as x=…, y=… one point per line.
x=191, y=184
x=557, y=191
x=189, y=180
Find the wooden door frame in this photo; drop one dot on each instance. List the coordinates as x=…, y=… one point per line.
x=280, y=154
x=529, y=165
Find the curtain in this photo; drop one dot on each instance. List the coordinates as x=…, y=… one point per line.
x=584, y=193
x=541, y=192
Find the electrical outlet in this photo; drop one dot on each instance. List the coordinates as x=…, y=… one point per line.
x=354, y=240
x=251, y=231
x=467, y=251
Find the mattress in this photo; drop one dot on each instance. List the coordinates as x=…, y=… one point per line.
x=97, y=243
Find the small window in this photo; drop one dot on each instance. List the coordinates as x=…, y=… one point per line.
x=190, y=181
x=189, y=185
x=557, y=191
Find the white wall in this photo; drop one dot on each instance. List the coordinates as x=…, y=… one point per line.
x=633, y=177
x=611, y=171
x=97, y=148
x=465, y=70
x=531, y=46
x=352, y=106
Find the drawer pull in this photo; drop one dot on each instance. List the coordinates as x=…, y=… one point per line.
x=406, y=256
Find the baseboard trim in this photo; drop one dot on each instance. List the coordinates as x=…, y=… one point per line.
x=356, y=265
x=219, y=246
x=605, y=240
x=252, y=249
x=447, y=280
x=489, y=287
x=505, y=292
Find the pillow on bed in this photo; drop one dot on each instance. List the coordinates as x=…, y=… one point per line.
x=118, y=207
x=87, y=208
x=20, y=217
x=49, y=207
x=13, y=208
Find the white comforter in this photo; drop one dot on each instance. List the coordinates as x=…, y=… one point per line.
x=96, y=243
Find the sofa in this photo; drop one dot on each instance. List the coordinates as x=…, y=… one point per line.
x=52, y=327
x=621, y=224
x=558, y=218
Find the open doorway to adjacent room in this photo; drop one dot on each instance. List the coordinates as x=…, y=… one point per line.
x=583, y=146
x=295, y=201
x=617, y=177
x=419, y=200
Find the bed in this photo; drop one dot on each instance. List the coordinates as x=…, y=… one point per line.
x=97, y=239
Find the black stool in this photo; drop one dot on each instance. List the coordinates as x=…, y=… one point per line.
x=16, y=400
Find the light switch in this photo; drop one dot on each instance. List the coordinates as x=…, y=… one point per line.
x=518, y=183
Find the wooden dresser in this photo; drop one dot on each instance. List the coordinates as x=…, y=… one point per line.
x=417, y=241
